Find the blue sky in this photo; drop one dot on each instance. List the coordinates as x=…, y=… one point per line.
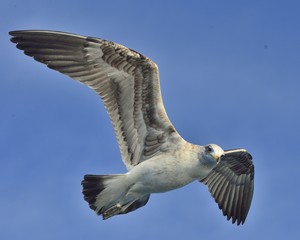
x=229, y=74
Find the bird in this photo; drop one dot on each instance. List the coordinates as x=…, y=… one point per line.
x=157, y=158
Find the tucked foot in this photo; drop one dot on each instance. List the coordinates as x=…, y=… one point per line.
x=114, y=210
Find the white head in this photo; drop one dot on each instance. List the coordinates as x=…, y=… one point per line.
x=214, y=151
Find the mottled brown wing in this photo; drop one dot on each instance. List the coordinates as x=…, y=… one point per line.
x=127, y=82
x=231, y=183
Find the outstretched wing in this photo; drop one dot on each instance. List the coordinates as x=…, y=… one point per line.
x=127, y=82
x=231, y=184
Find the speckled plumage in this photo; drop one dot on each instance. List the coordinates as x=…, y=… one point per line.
x=156, y=156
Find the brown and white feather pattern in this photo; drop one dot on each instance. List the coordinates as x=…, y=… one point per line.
x=127, y=82
x=231, y=183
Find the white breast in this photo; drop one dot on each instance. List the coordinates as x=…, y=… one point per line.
x=166, y=172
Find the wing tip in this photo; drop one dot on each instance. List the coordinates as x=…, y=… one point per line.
x=23, y=33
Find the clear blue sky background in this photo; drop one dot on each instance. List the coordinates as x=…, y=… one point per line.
x=230, y=74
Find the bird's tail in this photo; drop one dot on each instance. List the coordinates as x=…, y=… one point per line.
x=107, y=195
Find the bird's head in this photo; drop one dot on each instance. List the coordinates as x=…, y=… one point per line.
x=213, y=151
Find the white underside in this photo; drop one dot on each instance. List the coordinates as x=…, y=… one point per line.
x=158, y=174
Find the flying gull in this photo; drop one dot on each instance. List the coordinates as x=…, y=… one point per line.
x=158, y=159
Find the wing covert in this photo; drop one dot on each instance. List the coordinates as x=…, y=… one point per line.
x=127, y=82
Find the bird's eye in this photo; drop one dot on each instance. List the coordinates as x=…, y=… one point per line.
x=209, y=149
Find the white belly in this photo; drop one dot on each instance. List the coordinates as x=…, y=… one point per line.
x=160, y=175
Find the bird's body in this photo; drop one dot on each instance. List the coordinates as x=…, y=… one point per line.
x=166, y=172
x=158, y=159
x=159, y=174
